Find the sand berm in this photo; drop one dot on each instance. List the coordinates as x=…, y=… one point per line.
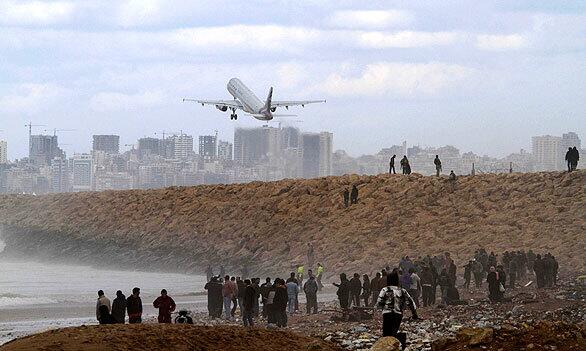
x=266, y=225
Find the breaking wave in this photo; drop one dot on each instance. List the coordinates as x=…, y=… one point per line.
x=10, y=300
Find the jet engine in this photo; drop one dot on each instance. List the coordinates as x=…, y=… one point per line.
x=273, y=109
x=222, y=108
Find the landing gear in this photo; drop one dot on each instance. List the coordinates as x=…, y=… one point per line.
x=233, y=115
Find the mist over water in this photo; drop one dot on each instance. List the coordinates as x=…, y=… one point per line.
x=36, y=296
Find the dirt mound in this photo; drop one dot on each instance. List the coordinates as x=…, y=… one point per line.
x=156, y=337
x=267, y=225
x=541, y=336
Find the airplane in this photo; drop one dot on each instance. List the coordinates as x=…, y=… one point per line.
x=245, y=100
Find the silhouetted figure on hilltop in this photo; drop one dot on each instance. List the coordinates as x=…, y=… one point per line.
x=392, y=165
x=354, y=195
x=346, y=196
x=405, y=167
x=569, y=158
x=438, y=165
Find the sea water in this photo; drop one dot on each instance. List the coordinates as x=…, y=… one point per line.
x=39, y=296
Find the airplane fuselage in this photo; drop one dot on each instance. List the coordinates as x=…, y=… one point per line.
x=250, y=102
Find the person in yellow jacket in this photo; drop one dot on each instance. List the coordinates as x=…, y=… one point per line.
x=319, y=275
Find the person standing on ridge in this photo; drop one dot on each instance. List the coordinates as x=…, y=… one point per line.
x=392, y=165
x=166, y=305
x=569, y=158
x=575, y=158
x=354, y=195
x=438, y=165
x=102, y=301
x=119, y=308
x=405, y=165
x=134, y=307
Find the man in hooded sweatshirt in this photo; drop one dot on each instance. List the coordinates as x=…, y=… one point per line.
x=119, y=308
x=166, y=305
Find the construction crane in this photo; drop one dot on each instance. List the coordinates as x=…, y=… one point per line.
x=30, y=128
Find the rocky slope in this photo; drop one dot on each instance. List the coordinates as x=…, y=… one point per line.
x=267, y=225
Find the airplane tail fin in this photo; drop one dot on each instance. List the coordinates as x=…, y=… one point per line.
x=267, y=106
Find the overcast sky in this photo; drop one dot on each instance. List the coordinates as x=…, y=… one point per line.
x=483, y=75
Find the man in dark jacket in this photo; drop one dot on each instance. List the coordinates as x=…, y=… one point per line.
x=374, y=290
x=215, y=299
x=343, y=291
x=310, y=288
x=493, y=285
x=264, y=295
x=392, y=166
x=354, y=195
x=280, y=302
x=134, y=307
x=355, y=289
x=248, y=304
x=119, y=308
x=569, y=158
x=166, y=305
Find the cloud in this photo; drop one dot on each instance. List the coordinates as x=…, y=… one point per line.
x=396, y=79
x=114, y=101
x=133, y=13
x=406, y=39
x=35, y=12
x=369, y=19
x=501, y=42
x=31, y=98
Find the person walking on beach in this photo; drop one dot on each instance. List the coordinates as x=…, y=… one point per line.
x=392, y=165
x=248, y=304
x=134, y=307
x=166, y=305
x=102, y=301
x=393, y=300
x=438, y=165
x=227, y=294
x=310, y=288
x=292, y=292
x=214, y=288
x=343, y=291
x=119, y=308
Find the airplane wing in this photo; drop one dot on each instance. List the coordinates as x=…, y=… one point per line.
x=294, y=103
x=221, y=103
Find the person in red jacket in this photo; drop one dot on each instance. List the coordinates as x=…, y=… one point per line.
x=166, y=305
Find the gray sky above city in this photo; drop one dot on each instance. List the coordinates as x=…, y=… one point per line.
x=483, y=76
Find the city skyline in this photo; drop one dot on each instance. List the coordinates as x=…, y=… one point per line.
x=484, y=77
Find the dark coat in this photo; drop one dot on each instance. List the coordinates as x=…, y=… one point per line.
x=105, y=316
x=249, y=297
x=134, y=306
x=281, y=298
x=119, y=309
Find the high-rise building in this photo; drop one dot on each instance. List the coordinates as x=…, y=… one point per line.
x=110, y=144
x=547, y=153
x=82, y=172
x=253, y=145
x=149, y=147
x=44, y=148
x=224, y=150
x=59, y=175
x=326, y=151
x=317, y=154
x=182, y=146
x=208, y=147
x=3, y=152
x=290, y=137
